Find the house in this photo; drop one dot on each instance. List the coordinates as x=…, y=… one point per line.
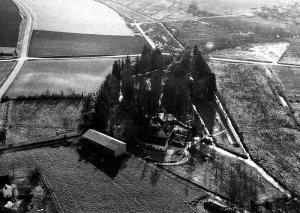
x=105, y=144
x=158, y=140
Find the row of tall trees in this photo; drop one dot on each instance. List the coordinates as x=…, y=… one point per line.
x=136, y=91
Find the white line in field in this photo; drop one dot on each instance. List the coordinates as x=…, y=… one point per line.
x=253, y=62
x=152, y=44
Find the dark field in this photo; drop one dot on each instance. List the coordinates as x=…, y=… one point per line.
x=59, y=44
x=79, y=186
x=5, y=70
x=265, y=126
x=9, y=23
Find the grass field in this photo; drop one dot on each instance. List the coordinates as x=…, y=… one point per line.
x=5, y=70
x=80, y=76
x=265, y=126
x=79, y=186
x=31, y=120
x=292, y=55
x=58, y=44
x=9, y=24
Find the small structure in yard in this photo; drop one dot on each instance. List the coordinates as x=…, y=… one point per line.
x=107, y=145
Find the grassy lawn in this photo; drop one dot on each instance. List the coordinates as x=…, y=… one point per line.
x=268, y=131
x=80, y=76
x=79, y=186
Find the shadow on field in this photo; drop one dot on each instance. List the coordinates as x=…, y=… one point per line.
x=109, y=165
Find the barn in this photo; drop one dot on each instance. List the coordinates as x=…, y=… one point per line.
x=105, y=144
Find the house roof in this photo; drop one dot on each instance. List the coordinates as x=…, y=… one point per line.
x=103, y=139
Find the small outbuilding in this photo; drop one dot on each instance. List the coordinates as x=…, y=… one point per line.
x=107, y=145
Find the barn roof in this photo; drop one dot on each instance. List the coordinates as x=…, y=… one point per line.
x=103, y=139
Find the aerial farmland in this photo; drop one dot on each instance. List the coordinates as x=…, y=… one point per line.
x=205, y=94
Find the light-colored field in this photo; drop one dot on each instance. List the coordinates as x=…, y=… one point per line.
x=81, y=187
x=57, y=76
x=76, y=16
x=268, y=52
